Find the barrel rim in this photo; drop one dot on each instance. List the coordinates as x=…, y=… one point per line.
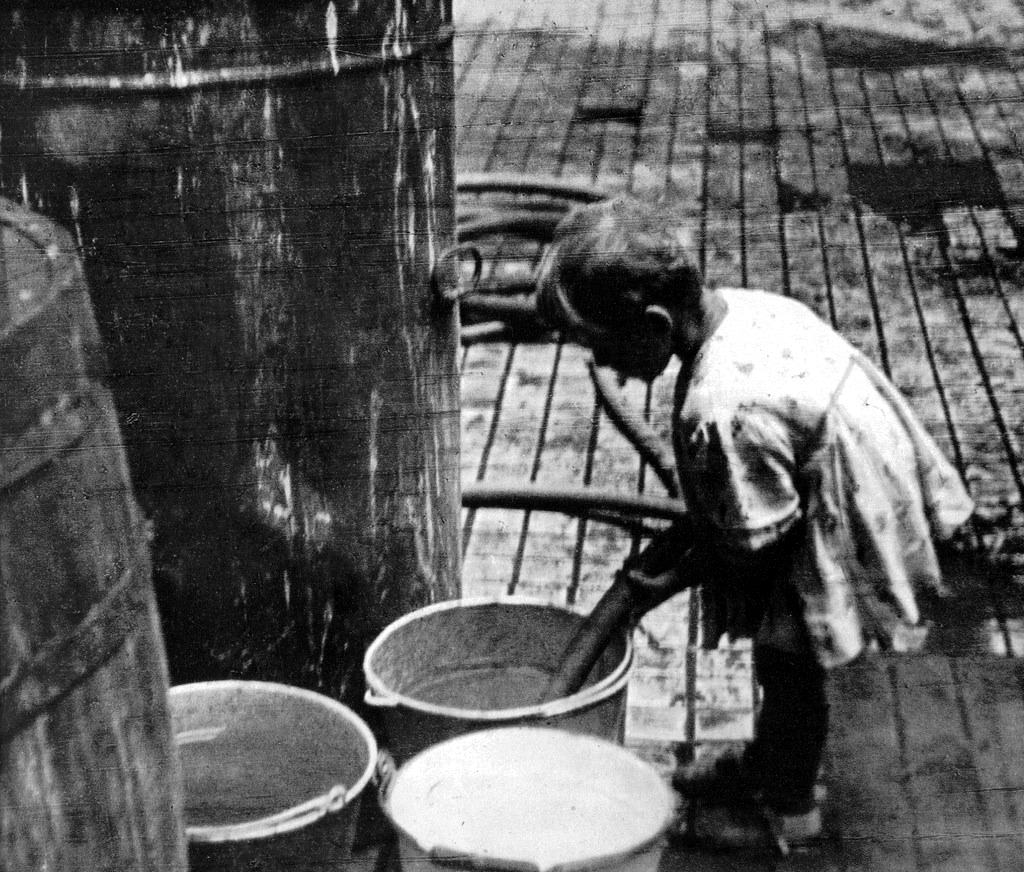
x=469, y=861
x=379, y=694
x=297, y=817
x=57, y=250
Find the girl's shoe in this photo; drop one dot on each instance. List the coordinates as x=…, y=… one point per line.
x=716, y=777
x=749, y=825
x=724, y=777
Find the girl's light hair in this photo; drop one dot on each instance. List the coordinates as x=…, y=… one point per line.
x=608, y=261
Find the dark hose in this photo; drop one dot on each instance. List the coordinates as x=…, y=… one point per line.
x=589, y=641
x=482, y=208
x=536, y=225
x=522, y=206
x=490, y=307
x=514, y=183
x=571, y=501
x=486, y=331
x=505, y=286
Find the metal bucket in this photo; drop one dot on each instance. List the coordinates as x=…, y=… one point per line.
x=523, y=798
x=460, y=666
x=273, y=775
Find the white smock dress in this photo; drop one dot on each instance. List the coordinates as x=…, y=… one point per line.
x=784, y=428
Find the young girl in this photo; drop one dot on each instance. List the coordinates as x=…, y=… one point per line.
x=815, y=493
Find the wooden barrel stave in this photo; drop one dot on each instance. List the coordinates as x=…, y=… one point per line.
x=89, y=777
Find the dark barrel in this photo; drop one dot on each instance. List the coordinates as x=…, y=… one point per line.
x=261, y=192
x=88, y=778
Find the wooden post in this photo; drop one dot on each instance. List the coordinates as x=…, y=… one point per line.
x=261, y=192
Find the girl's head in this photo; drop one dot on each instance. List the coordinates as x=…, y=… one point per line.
x=620, y=279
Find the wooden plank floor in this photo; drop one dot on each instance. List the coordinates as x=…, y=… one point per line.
x=869, y=161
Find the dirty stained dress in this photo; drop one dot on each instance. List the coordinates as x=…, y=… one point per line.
x=784, y=432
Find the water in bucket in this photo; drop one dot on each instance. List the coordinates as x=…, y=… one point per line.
x=463, y=665
x=528, y=797
x=273, y=775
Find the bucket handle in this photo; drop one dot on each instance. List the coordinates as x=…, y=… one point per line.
x=384, y=773
x=550, y=709
x=331, y=802
x=378, y=700
x=556, y=707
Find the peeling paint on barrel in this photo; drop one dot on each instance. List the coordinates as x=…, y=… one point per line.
x=259, y=254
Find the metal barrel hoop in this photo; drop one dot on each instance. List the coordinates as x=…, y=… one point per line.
x=177, y=80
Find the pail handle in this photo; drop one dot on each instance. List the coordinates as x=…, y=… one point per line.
x=384, y=774
x=378, y=700
x=331, y=802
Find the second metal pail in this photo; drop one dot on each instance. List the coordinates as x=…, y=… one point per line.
x=460, y=666
x=274, y=775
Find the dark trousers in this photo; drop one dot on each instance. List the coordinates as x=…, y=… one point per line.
x=791, y=728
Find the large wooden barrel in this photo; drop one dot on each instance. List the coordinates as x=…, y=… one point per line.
x=89, y=777
x=262, y=191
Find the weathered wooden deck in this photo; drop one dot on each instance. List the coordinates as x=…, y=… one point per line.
x=869, y=161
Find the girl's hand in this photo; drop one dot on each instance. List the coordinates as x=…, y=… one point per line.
x=650, y=591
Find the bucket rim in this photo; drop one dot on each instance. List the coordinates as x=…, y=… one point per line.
x=456, y=859
x=295, y=817
x=379, y=695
